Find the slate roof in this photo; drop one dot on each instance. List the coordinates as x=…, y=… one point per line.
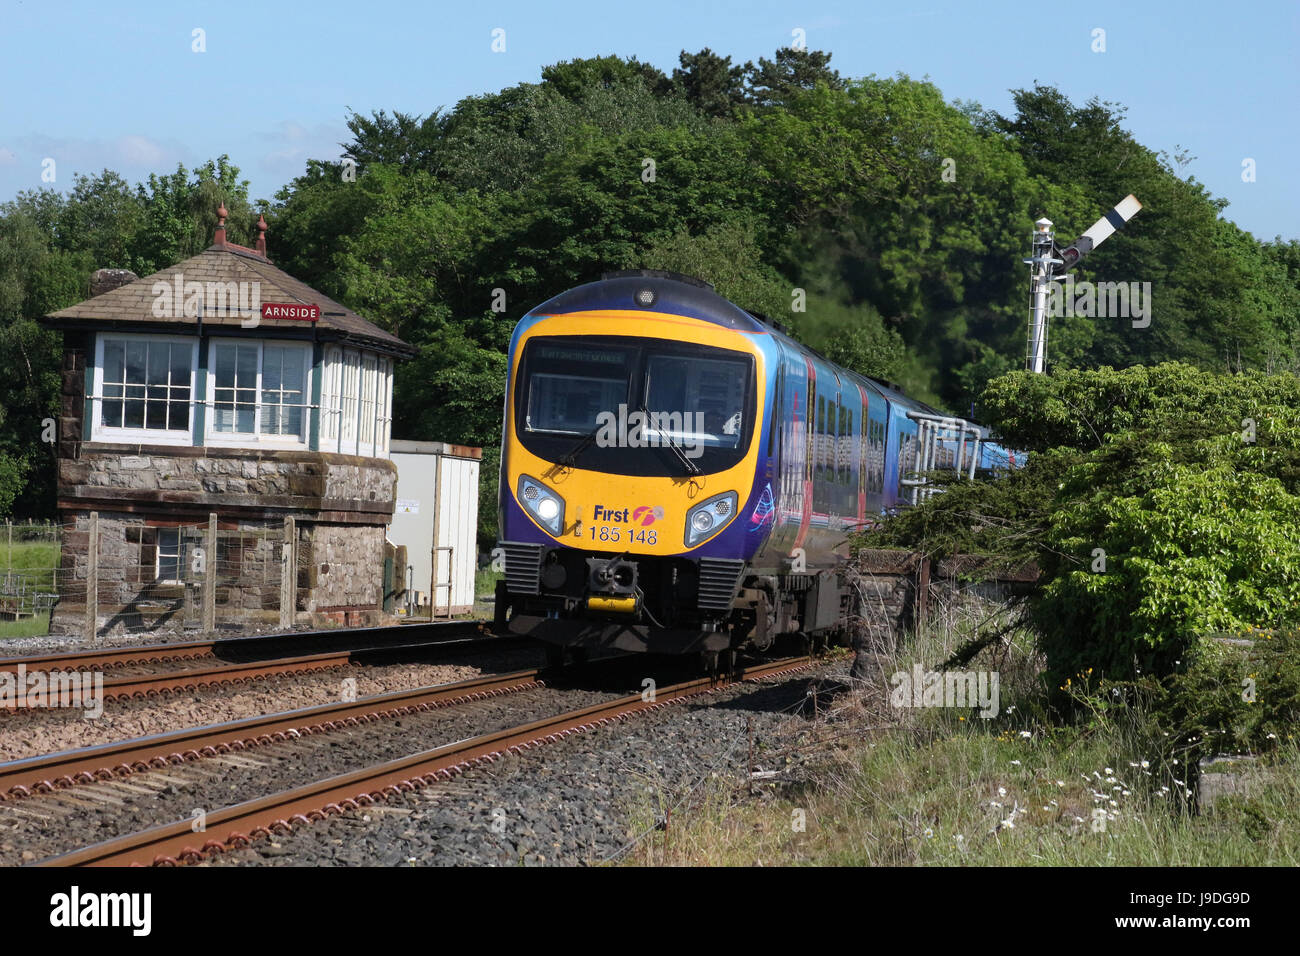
x=133, y=304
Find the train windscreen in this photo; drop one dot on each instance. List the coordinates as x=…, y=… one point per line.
x=635, y=405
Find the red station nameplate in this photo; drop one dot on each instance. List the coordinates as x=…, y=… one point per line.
x=298, y=311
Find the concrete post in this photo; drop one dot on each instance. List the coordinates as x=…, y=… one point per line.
x=400, y=595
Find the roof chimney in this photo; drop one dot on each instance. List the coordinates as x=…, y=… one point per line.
x=261, y=236
x=219, y=238
x=106, y=280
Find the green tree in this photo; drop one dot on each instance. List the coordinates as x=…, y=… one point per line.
x=403, y=139
x=773, y=82
x=33, y=278
x=1160, y=505
x=728, y=255
x=576, y=79
x=710, y=82
x=410, y=265
x=180, y=214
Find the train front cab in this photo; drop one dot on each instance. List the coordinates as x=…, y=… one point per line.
x=630, y=548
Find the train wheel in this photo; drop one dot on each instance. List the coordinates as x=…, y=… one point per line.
x=555, y=656
x=709, y=663
x=733, y=666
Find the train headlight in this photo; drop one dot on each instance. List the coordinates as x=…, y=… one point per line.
x=543, y=503
x=709, y=516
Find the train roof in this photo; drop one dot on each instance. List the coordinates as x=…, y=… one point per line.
x=655, y=290
x=648, y=290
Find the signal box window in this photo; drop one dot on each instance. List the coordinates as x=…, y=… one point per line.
x=167, y=569
x=143, y=388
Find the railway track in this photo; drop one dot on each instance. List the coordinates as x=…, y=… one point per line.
x=238, y=825
x=253, y=659
x=113, y=761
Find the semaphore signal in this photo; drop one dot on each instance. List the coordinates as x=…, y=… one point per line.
x=1048, y=263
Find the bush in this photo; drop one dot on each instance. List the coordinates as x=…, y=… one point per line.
x=1162, y=505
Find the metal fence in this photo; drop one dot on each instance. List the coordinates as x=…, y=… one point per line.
x=105, y=575
x=28, y=574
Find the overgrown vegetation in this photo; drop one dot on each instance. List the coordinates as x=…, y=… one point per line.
x=868, y=784
x=1162, y=506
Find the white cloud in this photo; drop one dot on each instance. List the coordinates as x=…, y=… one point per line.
x=132, y=155
x=298, y=143
x=140, y=151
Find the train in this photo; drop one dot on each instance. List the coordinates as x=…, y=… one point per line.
x=681, y=476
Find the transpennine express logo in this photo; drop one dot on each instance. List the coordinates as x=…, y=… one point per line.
x=763, y=511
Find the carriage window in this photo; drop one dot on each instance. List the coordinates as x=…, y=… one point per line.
x=848, y=447
x=821, y=439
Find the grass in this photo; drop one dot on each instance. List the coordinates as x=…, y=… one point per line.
x=36, y=626
x=40, y=556
x=872, y=785
x=35, y=561
x=485, y=582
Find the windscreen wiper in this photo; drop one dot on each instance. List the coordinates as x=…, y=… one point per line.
x=571, y=459
x=690, y=466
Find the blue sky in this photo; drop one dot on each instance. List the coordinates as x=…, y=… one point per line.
x=95, y=85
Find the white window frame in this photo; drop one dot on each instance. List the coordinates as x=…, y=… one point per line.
x=350, y=401
x=355, y=381
x=158, y=556
x=255, y=438
x=385, y=424
x=331, y=397
x=368, y=404
x=99, y=432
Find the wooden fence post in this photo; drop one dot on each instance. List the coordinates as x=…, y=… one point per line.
x=92, y=579
x=288, y=573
